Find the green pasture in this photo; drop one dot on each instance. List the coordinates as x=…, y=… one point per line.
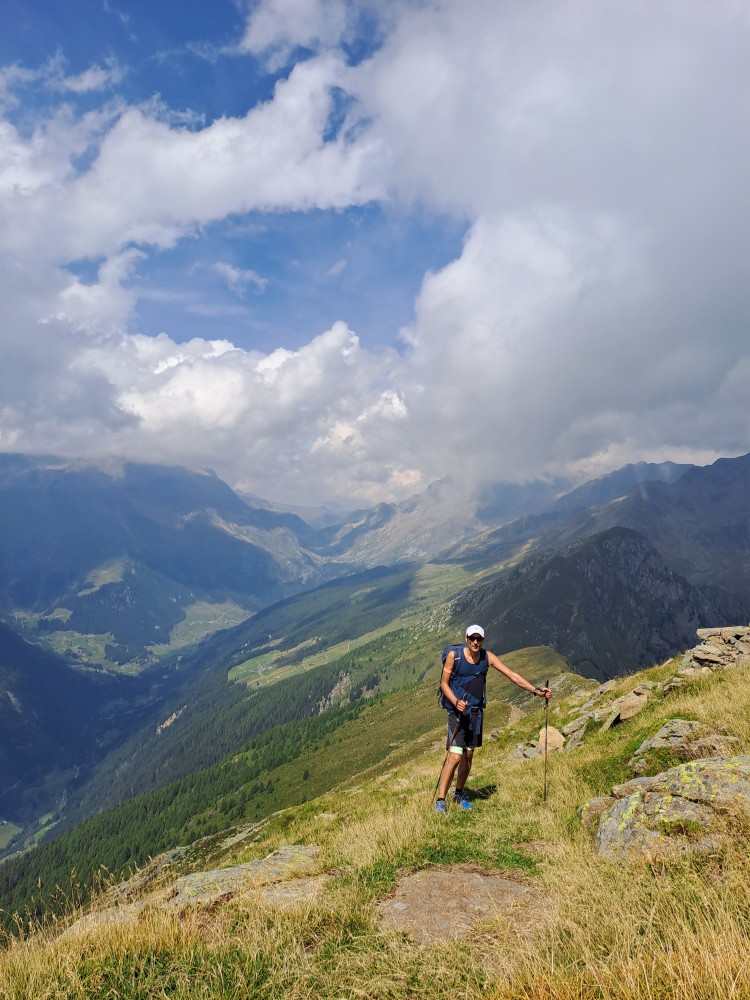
x=8, y=831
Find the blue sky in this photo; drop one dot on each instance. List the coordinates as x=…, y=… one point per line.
x=336, y=249
x=306, y=269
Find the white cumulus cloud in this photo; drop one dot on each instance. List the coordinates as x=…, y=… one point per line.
x=596, y=152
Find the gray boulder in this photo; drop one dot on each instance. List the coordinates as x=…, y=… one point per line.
x=679, y=812
x=626, y=707
x=532, y=749
x=673, y=735
x=684, y=738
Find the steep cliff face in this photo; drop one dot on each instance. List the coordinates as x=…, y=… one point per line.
x=609, y=604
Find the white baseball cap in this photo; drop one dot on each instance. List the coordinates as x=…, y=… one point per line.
x=475, y=630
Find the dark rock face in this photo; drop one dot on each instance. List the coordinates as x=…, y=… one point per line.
x=609, y=604
x=700, y=524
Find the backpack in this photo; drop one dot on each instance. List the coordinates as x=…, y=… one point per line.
x=458, y=652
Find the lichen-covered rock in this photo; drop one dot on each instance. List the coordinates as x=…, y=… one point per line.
x=209, y=886
x=590, y=812
x=675, y=813
x=685, y=739
x=284, y=877
x=673, y=735
x=713, y=745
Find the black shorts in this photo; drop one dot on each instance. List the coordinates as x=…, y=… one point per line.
x=465, y=731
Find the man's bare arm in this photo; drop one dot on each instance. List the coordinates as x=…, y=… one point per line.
x=497, y=663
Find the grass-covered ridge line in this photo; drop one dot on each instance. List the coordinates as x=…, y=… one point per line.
x=620, y=932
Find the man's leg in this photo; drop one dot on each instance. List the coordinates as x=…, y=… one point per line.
x=473, y=739
x=464, y=767
x=452, y=761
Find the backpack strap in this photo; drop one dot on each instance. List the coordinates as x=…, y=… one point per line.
x=458, y=652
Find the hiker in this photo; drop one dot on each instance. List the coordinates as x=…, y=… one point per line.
x=462, y=685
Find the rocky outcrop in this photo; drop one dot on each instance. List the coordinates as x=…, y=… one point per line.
x=679, y=812
x=610, y=712
x=721, y=649
x=624, y=708
x=685, y=738
x=682, y=810
x=674, y=735
x=284, y=877
x=211, y=886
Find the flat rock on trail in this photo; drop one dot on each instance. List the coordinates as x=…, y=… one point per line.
x=438, y=903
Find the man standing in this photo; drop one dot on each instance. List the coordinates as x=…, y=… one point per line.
x=462, y=684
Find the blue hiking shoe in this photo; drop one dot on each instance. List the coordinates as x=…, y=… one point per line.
x=440, y=807
x=462, y=802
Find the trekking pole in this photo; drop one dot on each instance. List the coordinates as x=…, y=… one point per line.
x=546, y=720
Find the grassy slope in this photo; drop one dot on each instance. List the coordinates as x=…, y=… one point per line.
x=386, y=624
x=321, y=641
x=389, y=728
x=622, y=931
x=282, y=767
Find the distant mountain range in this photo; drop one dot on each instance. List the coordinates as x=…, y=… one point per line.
x=128, y=552
x=700, y=523
x=113, y=579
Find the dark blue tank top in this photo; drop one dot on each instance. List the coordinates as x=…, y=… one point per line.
x=468, y=679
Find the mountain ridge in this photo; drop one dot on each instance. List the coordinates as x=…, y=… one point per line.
x=609, y=603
